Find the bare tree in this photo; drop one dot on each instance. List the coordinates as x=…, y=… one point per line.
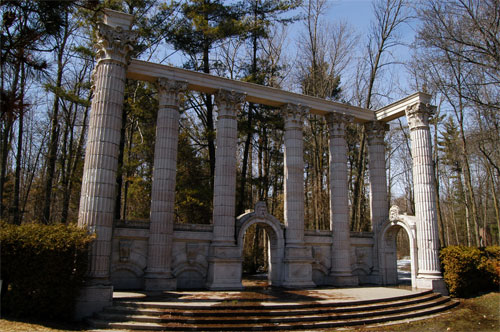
x=390, y=15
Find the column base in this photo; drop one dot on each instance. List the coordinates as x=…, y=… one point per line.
x=342, y=280
x=298, y=268
x=92, y=299
x=435, y=283
x=159, y=282
x=224, y=268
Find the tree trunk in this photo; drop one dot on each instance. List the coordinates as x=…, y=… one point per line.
x=17, y=181
x=495, y=200
x=435, y=150
x=54, y=131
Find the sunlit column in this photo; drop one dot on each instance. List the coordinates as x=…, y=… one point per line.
x=429, y=270
x=379, y=204
x=158, y=274
x=228, y=104
x=341, y=271
x=98, y=193
x=294, y=173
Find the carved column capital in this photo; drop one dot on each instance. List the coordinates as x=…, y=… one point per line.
x=229, y=102
x=170, y=91
x=337, y=123
x=294, y=115
x=418, y=115
x=375, y=131
x=114, y=43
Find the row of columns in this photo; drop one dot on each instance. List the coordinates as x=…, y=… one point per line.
x=101, y=162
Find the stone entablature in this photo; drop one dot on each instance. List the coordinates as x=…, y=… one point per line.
x=166, y=256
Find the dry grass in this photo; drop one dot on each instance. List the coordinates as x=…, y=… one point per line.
x=478, y=314
x=8, y=325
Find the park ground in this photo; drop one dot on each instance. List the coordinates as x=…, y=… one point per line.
x=477, y=314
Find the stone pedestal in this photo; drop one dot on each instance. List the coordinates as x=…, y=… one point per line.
x=225, y=268
x=158, y=273
x=429, y=269
x=298, y=267
x=98, y=193
x=379, y=204
x=298, y=258
x=93, y=299
x=224, y=260
x=341, y=271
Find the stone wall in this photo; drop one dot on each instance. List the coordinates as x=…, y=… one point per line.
x=191, y=249
x=189, y=254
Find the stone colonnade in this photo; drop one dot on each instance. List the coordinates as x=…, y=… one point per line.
x=224, y=272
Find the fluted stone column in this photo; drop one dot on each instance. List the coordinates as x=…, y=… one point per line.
x=224, y=261
x=379, y=204
x=298, y=258
x=114, y=41
x=429, y=271
x=158, y=273
x=341, y=271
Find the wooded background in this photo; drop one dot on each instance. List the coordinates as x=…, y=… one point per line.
x=47, y=58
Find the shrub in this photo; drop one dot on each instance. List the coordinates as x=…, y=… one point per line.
x=468, y=271
x=43, y=268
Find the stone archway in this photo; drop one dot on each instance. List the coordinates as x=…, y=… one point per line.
x=388, y=248
x=275, y=231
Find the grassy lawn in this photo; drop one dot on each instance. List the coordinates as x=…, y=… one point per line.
x=479, y=314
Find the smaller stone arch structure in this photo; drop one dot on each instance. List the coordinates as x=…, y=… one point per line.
x=387, y=246
x=275, y=231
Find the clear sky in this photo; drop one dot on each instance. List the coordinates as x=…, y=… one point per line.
x=359, y=13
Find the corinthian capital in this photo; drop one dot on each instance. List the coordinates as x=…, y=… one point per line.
x=170, y=91
x=418, y=115
x=294, y=115
x=375, y=131
x=229, y=102
x=114, y=43
x=336, y=123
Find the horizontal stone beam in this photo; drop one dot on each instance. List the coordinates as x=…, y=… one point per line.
x=259, y=94
x=397, y=109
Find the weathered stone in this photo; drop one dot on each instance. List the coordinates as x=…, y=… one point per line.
x=341, y=269
x=158, y=273
x=429, y=269
x=101, y=157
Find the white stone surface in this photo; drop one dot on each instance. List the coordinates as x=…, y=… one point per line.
x=429, y=270
x=158, y=274
x=224, y=271
x=101, y=155
x=379, y=205
x=298, y=258
x=228, y=104
x=341, y=269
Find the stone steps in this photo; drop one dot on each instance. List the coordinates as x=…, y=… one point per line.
x=245, y=316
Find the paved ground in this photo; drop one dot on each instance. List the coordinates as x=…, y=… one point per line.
x=269, y=296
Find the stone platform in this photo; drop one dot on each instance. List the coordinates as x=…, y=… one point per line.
x=264, y=308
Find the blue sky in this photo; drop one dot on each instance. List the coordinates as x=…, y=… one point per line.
x=357, y=12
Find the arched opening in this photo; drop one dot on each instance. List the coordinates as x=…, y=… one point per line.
x=256, y=256
x=264, y=260
x=398, y=255
x=403, y=258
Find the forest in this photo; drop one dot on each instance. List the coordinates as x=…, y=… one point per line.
x=47, y=58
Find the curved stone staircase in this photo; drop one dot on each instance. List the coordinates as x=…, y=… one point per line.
x=157, y=314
